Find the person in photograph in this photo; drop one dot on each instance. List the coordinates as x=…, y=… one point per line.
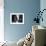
x=14, y=18
x=20, y=18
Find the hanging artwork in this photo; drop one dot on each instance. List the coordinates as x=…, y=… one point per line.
x=16, y=18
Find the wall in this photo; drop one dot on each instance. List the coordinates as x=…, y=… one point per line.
x=29, y=8
x=43, y=6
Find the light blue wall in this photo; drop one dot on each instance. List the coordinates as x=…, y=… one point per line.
x=29, y=8
x=43, y=6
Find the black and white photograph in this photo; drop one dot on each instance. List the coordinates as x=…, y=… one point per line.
x=16, y=18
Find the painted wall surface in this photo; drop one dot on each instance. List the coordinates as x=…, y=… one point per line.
x=43, y=6
x=29, y=8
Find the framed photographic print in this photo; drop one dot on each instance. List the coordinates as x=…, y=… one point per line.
x=16, y=18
